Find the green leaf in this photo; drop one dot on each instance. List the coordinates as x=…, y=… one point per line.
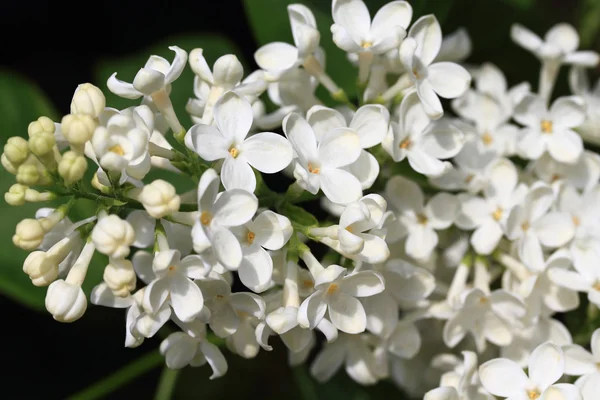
x=589, y=23
x=298, y=215
x=21, y=102
x=182, y=89
x=270, y=23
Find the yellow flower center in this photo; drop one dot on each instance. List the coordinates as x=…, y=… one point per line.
x=219, y=296
x=533, y=394
x=555, y=178
x=366, y=44
x=405, y=144
x=422, y=219
x=576, y=220
x=250, y=237
x=416, y=73
x=205, y=218
x=525, y=226
x=469, y=178
x=307, y=283
x=497, y=214
x=117, y=149
x=333, y=288
x=487, y=139
x=172, y=268
x=234, y=152
x=313, y=169
x=596, y=286
x=546, y=126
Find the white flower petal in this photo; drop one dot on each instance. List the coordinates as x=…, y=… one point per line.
x=562, y=391
x=375, y=249
x=502, y=377
x=546, y=365
x=353, y=16
x=428, y=35
x=328, y=361
x=122, y=89
x=566, y=146
x=405, y=342
x=186, y=298
x=578, y=361
x=586, y=59
x=347, y=314
x=449, y=80
x=225, y=321
x=486, y=237
x=569, y=279
x=227, y=248
x=312, y=310
x=148, y=81
x=404, y=194
x=268, y=152
x=233, y=115
x=209, y=142
x=177, y=65
x=256, y=269
x=276, y=57
x=236, y=173
x=215, y=359
x=208, y=188
x=442, y=140
x=554, y=229
x=389, y=25
x=297, y=339
x=429, y=99
x=339, y=147
x=420, y=242
x=371, y=123
x=283, y=319
x=362, y=284
x=442, y=210
x=525, y=38
x=563, y=36
x=234, y=207
x=324, y=119
x=365, y=169
x=340, y=186
x=568, y=112
x=442, y=393
x=301, y=136
x=382, y=314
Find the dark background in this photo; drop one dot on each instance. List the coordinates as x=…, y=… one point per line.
x=57, y=45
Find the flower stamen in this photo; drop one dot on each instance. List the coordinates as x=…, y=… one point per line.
x=234, y=152
x=205, y=218
x=117, y=149
x=333, y=288
x=313, y=169
x=546, y=126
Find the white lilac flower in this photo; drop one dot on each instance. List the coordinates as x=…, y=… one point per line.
x=417, y=221
x=217, y=214
x=173, y=283
x=550, y=130
x=337, y=294
x=504, y=378
x=487, y=317
x=370, y=122
x=319, y=164
x=266, y=151
x=583, y=363
x=444, y=79
x=354, y=352
x=531, y=224
x=488, y=215
x=422, y=141
x=277, y=58
x=581, y=87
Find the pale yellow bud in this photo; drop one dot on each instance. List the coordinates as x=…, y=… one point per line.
x=16, y=150
x=9, y=166
x=96, y=183
x=88, y=100
x=41, y=125
x=16, y=195
x=42, y=269
x=28, y=174
x=72, y=167
x=29, y=234
x=119, y=276
x=159, y=198
x=42, y=144
x=78, y=129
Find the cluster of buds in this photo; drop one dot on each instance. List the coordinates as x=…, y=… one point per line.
x=450, y=239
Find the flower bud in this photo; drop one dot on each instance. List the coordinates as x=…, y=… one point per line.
x=41, y=144
x=88, y=100
x=119, y=276
x=159, y=198
x=78, y=129
x=227, y=71
x=16, y=195
x=96, y=184
x=41, y=125
x=42, y=269
x=65, y=301
x=113, y=236
x=72, y=167
x=29, y=234
x=16, y=150
x=28, y=174
x=8, y=165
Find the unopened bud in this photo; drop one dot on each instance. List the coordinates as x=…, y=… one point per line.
x=28, y=174
x=119, y=276
x=29, y=234
x=88, y=100
x=78, y=129
x=42, y=269
x=72, y=167
x=96, y=184
x=16, y=150
x=9, y=166
x=113, y=236
x=65, y=301
x=41, y=125
x=42, y=144
x=159, y=198
x=16, y=195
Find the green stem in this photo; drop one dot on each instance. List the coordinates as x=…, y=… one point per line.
x=120, y=377
x=166, y=384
